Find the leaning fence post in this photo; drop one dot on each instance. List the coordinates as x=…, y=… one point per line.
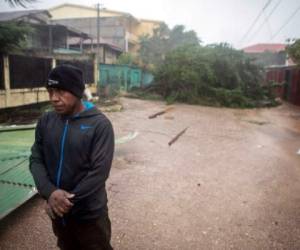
x=6, y=80
x=53, y=62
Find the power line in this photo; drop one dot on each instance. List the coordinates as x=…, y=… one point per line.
x=268, y=25
x=266, y=20
x=255, y=21
x=286, y=23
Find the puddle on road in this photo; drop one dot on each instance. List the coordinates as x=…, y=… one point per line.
x=282, y=133
x=127, y=138
x=252, y=117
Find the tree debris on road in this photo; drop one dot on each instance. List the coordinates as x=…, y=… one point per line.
x=160, y=113
x=177, y=136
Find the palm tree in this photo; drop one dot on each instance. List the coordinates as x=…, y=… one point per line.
x=22, y=3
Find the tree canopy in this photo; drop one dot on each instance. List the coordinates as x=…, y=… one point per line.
x=153, y=49
x=212, y=75
x=13, y=36
x=127, y=59
x=294, y=51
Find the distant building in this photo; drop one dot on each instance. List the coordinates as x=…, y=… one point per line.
x=108, y=53
x=118, y=28
x=46, y=37
x=28, y=16
x=49, y=37
x=269, y=54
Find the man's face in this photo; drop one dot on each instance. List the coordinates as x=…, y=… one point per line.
x=63, y=102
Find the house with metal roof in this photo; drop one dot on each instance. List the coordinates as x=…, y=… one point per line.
x=269, y=54
x=108, y=52
x=28, y=16
x=265, y=47
x=50, y=37
x=46, y=36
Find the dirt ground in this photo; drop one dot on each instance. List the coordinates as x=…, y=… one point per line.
x=232, y=181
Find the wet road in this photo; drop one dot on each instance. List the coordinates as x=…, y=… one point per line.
x=232, y=181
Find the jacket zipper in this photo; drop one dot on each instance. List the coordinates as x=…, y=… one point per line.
x=61, y=160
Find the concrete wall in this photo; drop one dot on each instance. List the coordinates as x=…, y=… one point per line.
x=110, y=28
x=110, y=56
x=19, y=97
x=146, y=27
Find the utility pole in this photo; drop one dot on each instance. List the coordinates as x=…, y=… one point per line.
x=97, y=69
x=98, y=31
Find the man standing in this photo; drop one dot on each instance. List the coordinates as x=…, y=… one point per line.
x=70, y=162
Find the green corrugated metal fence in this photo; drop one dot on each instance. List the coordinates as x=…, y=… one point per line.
x=124, y=76
x=16, y=182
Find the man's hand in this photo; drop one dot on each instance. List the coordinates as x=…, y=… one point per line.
x=59, y=202
x=49, y=211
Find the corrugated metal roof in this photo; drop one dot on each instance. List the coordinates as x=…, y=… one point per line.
x=263, y=47
x=14, y=15
x=16, y=182
x=12, y=196
x=102, y=41
x=18, y=174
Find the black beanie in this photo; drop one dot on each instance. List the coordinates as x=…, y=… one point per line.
x=67, y=77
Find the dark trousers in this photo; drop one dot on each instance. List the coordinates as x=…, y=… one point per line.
x=92, y=235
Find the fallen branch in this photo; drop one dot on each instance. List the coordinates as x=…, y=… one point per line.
x=177, y=136
x=160, y=113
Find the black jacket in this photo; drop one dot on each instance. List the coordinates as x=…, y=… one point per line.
x=74, y=154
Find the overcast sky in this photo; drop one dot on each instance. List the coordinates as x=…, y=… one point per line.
x=213, y=20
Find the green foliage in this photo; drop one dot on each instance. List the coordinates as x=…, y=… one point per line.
x=294, y=51
x=109, y=91
x=153, y=49
x=212, y=75
x=127, y=59
x=13, y=36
